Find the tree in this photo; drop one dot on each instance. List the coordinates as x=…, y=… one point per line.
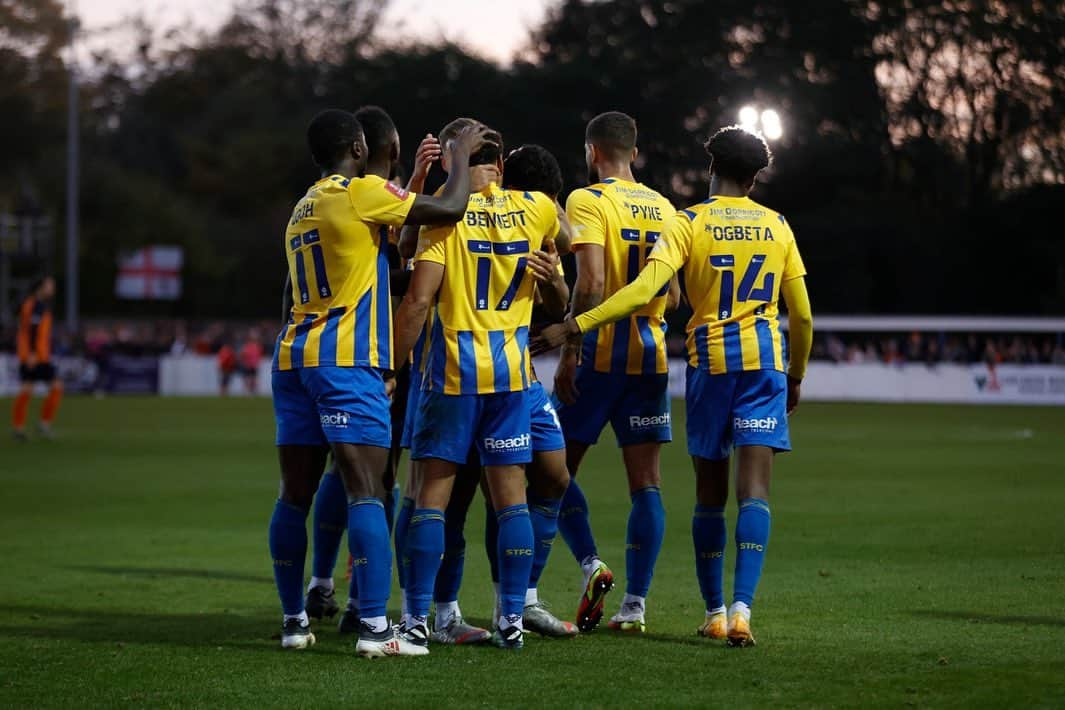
x=984, y=79
x=33, y=84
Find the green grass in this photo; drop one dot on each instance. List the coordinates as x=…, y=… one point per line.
x=917, y=558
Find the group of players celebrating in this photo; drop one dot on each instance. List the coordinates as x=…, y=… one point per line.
x=482, y=251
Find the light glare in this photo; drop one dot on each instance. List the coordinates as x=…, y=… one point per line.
x=749, y=117
x=771, y=124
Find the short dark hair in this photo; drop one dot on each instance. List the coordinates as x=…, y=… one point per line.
x=451, y=130
x=613, y=132
x=377, y=126
x=532, y=167
x=331, y=134
x=738, y=154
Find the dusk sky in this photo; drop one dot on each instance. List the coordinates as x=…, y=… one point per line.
x=492, y=28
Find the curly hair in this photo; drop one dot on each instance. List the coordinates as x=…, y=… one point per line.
x=330, y=136
x=532, y=167
x=738, y=154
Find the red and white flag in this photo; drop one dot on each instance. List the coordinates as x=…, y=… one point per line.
x=151, y=273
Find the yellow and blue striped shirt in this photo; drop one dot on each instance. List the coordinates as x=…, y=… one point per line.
x=732, y=255
x=478, y=340
x=336, y=244
x=626, y=219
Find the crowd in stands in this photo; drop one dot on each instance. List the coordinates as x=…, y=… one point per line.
x=237, y=345
x=935, y=348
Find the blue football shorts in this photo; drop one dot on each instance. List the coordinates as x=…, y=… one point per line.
x=636, y=406
x=543, y=421
x=447, y=425
x=318, y=405
x=736, y=409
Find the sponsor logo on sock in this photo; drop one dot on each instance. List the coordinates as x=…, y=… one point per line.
x=358, y=561
x=712, y=555
x=637, y=423
x=335, y=420
x=515, y=443
x=765, y=424
x=518, y=552
x=751, y=546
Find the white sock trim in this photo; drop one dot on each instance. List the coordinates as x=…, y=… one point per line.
x=531, y=597
x=445, y=612
x=325, y=583
x=377, y=624
x=302, y=616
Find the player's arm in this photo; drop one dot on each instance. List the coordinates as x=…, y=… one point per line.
x=43, y=345
x=550, y=280
x=22, y=340
x=414, y=308
x=286, y=298
x=428, y=152
x=669, y=255
x=622, y=304
x=673, y=296
x=564, y=240
x=800, y=334
x=588, y=237
x=800, y=318
x=450, y=205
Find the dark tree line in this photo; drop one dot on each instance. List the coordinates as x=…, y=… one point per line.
x=922, y=162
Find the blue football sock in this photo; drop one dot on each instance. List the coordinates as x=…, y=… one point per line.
x=515, y=557
x=643, y=540
x=449, y=577
x=574, y=525
x=752, y=538
x=425, y=546
x=369, y=546
x=288, y=548
x=392, y=500
x=544, y=515
x=491, y=541
x=709, y=537
x=330, y=522
x=402, y=527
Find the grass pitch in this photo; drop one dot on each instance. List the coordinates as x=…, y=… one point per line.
x=917, y=558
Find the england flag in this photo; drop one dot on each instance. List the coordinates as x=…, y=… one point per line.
x=151, y=273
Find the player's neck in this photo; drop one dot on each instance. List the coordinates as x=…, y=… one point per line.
x=720, y=187
x=345, y=168
x=382, y=170
x=615, y=171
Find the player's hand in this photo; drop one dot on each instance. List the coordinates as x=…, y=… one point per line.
x=31, y=360
x=566, y=376
x=390, y=385
x=468, y=141
x=794, y=386
x=544, y=263
x=553, y=336
x=429, y=151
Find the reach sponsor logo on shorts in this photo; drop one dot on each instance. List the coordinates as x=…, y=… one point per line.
x=515, y=443
x=637, y=423
x=765, y=424
x=335, y=420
